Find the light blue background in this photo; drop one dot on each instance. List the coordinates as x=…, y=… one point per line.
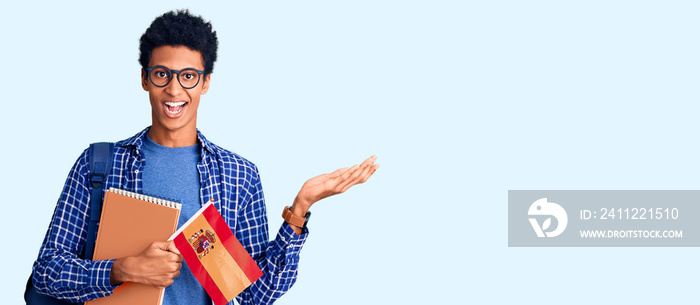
x=461, y=101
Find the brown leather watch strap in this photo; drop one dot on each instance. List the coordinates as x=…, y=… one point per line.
x=292, y=219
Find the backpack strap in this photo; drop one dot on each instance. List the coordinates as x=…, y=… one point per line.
x=100, y=162
x=100, y=158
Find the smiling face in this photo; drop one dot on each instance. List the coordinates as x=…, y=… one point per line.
x=174, y=108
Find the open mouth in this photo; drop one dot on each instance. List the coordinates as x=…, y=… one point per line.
x=174, y=107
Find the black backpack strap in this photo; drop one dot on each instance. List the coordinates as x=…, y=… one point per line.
x=100, y=158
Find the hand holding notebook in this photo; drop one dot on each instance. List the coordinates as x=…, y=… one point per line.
x=129, y=225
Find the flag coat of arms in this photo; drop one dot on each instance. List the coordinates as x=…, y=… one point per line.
x=217, y=259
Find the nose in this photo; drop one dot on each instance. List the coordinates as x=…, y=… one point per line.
x=173, y=87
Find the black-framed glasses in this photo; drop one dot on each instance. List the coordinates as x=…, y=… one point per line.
x=160, y=76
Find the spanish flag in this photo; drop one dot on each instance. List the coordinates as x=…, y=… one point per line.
x=217, y=259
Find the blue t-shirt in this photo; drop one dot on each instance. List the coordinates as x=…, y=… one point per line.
x=171, y=172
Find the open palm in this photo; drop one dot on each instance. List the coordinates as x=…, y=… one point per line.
x=334, y=183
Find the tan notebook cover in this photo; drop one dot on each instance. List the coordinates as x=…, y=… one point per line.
x=130, y=222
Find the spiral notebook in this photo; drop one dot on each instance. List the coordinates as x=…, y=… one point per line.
x=130, y=222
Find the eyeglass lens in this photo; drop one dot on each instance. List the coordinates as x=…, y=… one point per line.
x=188, y=77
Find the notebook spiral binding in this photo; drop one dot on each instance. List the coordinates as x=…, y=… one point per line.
x=153, y=199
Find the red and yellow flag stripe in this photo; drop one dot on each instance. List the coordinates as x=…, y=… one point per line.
x=227, y=268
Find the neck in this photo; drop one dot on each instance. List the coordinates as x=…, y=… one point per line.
x=180, y=138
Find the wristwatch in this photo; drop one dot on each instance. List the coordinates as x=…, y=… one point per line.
x=295, y=220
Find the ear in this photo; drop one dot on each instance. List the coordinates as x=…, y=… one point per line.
x=205, y=86
x=144, y=79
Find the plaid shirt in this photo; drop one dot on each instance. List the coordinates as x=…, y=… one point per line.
x=230, y=180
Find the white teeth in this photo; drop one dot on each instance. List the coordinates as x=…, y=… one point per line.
x=175, y=105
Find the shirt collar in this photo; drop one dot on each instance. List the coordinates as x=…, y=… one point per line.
x=137, y=140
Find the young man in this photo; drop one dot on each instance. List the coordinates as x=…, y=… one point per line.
x=171, y=158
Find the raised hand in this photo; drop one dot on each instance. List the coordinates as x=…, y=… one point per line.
x=334, y=183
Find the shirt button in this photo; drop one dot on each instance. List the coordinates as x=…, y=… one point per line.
x=284, y=239
x=136, y=171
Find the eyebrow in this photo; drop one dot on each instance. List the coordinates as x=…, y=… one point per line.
x=176, y=69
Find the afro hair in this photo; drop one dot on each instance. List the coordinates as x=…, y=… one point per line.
x=180, y=28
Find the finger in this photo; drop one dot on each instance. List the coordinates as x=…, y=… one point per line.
x=369, y=161
x=172, y=267
x=348, y=173
x=172, y=248
x=360, y=177
x=337, y=172
x=172, y=259
x=353, y=175
x=332, y=180
x=355, y=180
x=367, y=165
x=167, y=283
x=349, y=181
x=371, y=172
x=368, y=173
x=157, y=248
x=336, y=184
x=161, y=245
